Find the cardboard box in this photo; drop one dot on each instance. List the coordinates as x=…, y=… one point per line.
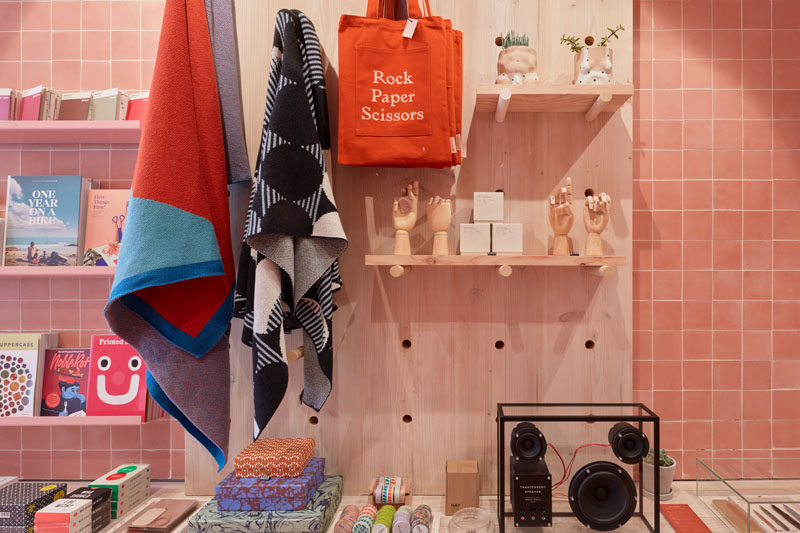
x=462, y=487
x=507, y=239
x=487, y=207
x=476, y=239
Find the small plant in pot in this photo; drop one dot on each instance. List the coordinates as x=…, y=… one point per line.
x=517, y=61
x=594, y=65
x=666, y=472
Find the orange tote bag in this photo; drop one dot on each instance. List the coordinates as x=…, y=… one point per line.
x=393, y=90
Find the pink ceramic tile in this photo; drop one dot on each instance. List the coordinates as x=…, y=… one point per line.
x=785, y=14
x=667, y=375
x=10, y=316
x=95, y=438
x=756, y=44
x=756, y=315
x=65, y=288
x=66, y=464
x=642, y=375
x=643, y=315
x=787, y=255
x=96, y=15
x=697, y=404
x=727, y=195
x=786, y=284
x=642, y=74
x=177, y=435
x=786, y=104
x=152, y=11
x=697, y=255
x=757, y=104
x=668, y=404
x=643, y=195
x=727, y=285
x=35, y=315
x=786, y=225
x=667, y=164
x=125, y=15
x=667, y=44
x=642, y=45
x=697, y=435
x=697, y=375
x=667, y=74
x=727, y=225
x=10, y=18
x=697, y=284
x=757, y=375
x=786, y=74
x=125, y=45
x=727, y=435
x=667, y=14
x=35, y=45
x=156, y=435
x=159, y=461
x=756, y=404
x=36, y=465
x=756, y=255
x=784, y=345
x=67, y=45
x=667, y=225
x=727, y=135
x=728, y=105
x=727, y=164
x=66, y=438
x=697, y=74
x=94, y=164
x=756, y=13
x=35, y=73
x=35, y=162
x=667, y=255
x=727, y=315
x=786, y=134
x=785, y=374
x=642, y=164
x=10, y=439
x=667, y=284
x=728, y=14
x=785, y=433
x=642, y=225
x=758, y=225
x=9, y=289
x=178, y=461
x=784, y=404
x=95, y=74
x=727, y=44
x=757, y=285
x=125, y=437
x=35, y=15
x=727, y=404
x=147, y=73
x=697, y=194
x=64, y=161
x=66, y=15
x=697, y=14
x=697, y=164
x=67, y=75
x=757, y=135
x=92, y=314
x=126, y=456
x=667, y=134
x=125, y=74
x=35, y=289
x=697, y=345
x=667, y=315
x=667, y=104
x=642, y=134
x=95, y=288
x=10, y=463
x=95, y=463
x=667, y=345
x=756, y=74
x=697, y=44
x=782, y=42
x=69, y=338
x=698, y=134
x=95, y=45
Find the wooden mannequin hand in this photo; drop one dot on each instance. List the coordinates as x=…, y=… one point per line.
x=404, y=209
x=596, y=213
x=560, y=210
x=439, y=214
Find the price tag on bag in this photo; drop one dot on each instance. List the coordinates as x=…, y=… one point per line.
x=411, y=25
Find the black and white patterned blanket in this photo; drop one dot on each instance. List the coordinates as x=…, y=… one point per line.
x=289, y=266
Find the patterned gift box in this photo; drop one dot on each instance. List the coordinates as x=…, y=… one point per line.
x=315, y=518
x=19, y=501
x=16, y=529
x=274, y=457
x=273, y=494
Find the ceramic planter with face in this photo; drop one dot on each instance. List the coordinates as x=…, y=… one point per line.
x=517, y=65
x=594, y=66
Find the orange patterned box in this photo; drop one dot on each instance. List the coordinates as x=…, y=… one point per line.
x=274, y=457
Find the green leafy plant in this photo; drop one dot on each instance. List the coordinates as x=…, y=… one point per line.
x=573, y=42
x=612, y=33
x=663, y=458
x=512, y=39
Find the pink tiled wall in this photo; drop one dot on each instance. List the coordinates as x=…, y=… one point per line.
x=71, y=45
x=716, y=225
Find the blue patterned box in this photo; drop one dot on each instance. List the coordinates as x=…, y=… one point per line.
x=315, y=518
x=273, y=494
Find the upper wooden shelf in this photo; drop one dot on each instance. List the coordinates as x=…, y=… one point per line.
x=400, y=264
x=16, y=421
x=588, y=99
x=69, y=131
x=57, y=271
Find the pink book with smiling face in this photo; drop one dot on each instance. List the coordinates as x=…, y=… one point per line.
x=105, y=224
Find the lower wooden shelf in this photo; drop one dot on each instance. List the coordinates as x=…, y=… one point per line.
x=57, y=271
x=16, y=421
x=401, y=264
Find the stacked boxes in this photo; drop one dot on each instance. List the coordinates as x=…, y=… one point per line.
x=100, y=499
x=272, y=494
x=129, y=484
x=20, y=501
x=64, y=516
x=315, y=518
x=489, y=234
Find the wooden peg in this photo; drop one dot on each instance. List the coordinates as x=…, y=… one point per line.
x=399, y=270
x=605, y=271
x=598, y=106
x=504, y=270
x=503, y=101
x=295, y=354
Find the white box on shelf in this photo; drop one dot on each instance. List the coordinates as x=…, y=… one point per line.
x=475, y=238
x=487, y=207
x=507, y=238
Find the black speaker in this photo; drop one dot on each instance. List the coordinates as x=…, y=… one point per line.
x=602, y=496
x=527, y=442
x=628, y=443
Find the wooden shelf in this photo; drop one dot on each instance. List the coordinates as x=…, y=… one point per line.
x=401, y=264
x=57, y=272
x=17, y=421
x=588, y=99
x=69, y=131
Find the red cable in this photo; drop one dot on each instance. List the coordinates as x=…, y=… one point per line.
x=563, y=466
x=568, y=469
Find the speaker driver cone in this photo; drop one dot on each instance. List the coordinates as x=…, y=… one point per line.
x=527, y=442
x=602, y=496
x=628, y=443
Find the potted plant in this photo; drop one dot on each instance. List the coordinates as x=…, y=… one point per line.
x=517, y=61
x=593, y=64
x=666, y=472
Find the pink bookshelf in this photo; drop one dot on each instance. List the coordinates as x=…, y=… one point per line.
x=17, y=421
x=69, y=131
x=56, y=272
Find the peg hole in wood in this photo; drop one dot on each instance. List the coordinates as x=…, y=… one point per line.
x=499, y=190
x=313, y=420
x=407, y=419
x=499, y=345
x=406, y=344
x=588, y=192
x=589, y=344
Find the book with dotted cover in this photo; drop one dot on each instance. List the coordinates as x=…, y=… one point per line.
x=20, y=501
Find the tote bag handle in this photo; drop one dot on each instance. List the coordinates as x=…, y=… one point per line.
x=387, y=8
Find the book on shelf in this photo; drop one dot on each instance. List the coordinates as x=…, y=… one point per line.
x=105, y=222
x=137, y=105
x=116, y=379
x=21, y=368
x=65, y=381
x=45, y=220
x=75, y=106
x=32, y=104
x=110, y=104
x=9, y=104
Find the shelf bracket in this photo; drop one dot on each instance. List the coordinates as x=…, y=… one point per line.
x=503, y=101
x=399, y=270
x=605, y=271
x=598, y=106
x=504, y=270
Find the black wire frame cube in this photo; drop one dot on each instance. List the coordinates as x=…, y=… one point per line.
x=645, y=416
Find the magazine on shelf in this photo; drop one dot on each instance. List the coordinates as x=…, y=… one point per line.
x=8, y=104
x=21, y=368
x=105, y=223
x=65, y=381
x=75, y=106
x=109, y=104
x=32, y=103
x=116, y=379
x=45, y=220
x=137, y=105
